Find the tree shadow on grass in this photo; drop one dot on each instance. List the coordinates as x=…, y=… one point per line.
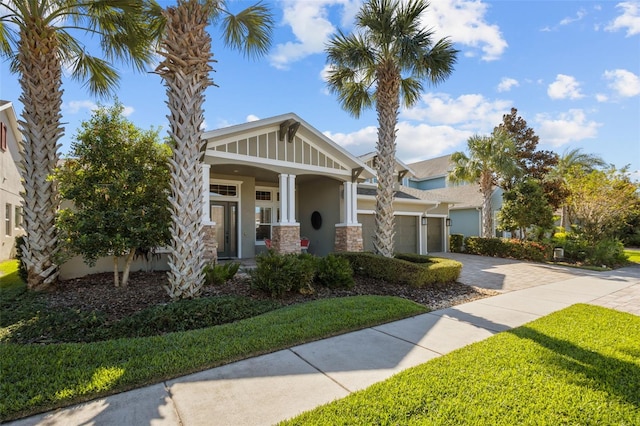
x=593, y=369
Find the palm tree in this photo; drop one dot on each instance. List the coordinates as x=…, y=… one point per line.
x=384, y=61
x=570, y=161
x=490, y=159
x=186, y=48
x=39, y=37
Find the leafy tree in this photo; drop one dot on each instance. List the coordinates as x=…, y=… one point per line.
x=601, y=201
x=490, y=160
x=572, y=159
x=118, y=180
x=39, y=37
x=533, y=163
x=383, y=62
x=524, y=206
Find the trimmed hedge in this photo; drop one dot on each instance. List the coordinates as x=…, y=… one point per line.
x=405, y=269
x=515, y=249
x=456, y=242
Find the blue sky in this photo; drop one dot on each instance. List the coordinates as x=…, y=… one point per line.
x=571, y=68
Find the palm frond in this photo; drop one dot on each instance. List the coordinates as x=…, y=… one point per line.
x=250, y=30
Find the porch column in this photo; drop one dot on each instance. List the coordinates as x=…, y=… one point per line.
x=292, y=199
x=206, y=212
x=285, y=235
x=349, y=233
x=354, y=203
x=209, y=235
x=284, y=199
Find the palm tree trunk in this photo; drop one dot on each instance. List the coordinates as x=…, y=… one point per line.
x=40, y=81
x=387, y=105
x=185, y=70
x=486, y=189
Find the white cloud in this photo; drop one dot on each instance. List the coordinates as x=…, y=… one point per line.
x=601, y=97
x=311, y=27
x=252, y=117
x=74, y=107
x=571, y=126
x=507, y=83
x=465, y=23
x=565, y=87
x=414, y=142
x=469, y=112
x=579, y=15
x=311, y=24
x=623, y=82
x=629, y=20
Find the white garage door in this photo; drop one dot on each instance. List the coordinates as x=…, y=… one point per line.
x=406, y=239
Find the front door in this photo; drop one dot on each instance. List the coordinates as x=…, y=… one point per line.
x=225, y=215
x=434, y=235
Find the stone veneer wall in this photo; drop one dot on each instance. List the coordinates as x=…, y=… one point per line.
x=349, y=238
x=210, y=243
x=285, y=238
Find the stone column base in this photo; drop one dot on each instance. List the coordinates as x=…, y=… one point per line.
x=210, y=243
x=285, y=238
x=349, y=237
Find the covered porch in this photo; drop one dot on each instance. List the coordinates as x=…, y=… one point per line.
x=279, y=180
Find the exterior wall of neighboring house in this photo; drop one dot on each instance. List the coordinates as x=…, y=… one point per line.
x=10, y=182
x=427, y=184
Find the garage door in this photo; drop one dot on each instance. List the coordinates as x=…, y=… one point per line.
x=434, y=235
x=406, y=239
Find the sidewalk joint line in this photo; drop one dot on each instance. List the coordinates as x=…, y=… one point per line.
x=320, y=371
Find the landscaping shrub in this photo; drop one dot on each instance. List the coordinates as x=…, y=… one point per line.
x=278, y=274
x=416, y=273
x=456, y=242
x=73, y=325
x=22, y=269
x=334, y=272
x=508, y=248
x=218, y=274
x=608, y=252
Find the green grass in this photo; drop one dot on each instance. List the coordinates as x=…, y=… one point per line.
x=36, y=377
x=9, y=275
x=577, y=366
x=633, y=255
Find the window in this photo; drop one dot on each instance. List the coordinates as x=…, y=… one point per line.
x=7, y=219
x=263, y=195
x=3, y=136
x=263, y=223
x=17, y=217
x=224, y=190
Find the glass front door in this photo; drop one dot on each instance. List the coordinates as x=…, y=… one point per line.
x=224, y=214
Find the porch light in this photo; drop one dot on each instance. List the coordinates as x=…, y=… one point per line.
x=424, y=220
x=448, y=221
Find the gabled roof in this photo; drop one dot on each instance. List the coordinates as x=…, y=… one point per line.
x=400, y=167
x=463, y=196
x=284, y=144
x=432, y=168
x=7, y=107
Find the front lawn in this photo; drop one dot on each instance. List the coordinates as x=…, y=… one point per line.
x=38, y=377
x=580, y=365
x=633, y=255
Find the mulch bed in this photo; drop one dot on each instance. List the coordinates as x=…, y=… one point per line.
x=145, y=289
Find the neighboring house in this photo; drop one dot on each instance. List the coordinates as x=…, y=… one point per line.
x=465, y=212
x=10, y=181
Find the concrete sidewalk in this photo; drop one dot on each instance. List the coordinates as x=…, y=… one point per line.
x=277, y=386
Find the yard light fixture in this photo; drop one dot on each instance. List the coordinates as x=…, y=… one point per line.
x=448, y=221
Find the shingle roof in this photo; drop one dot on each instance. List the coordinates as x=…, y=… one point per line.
x=464, y=196
x=438, y=166
x=397, y=194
